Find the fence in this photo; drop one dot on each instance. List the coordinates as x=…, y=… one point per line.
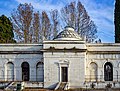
x=33, y=78
x=101, y=78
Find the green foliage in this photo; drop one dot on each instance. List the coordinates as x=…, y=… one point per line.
x=117, y=21
x=6, y=33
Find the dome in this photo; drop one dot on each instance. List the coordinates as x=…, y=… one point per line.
x=68, y=34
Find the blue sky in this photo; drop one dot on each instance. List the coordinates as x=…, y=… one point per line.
x=100, y=11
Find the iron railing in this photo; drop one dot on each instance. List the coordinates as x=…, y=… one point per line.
x=100, y=78
x=38, y=78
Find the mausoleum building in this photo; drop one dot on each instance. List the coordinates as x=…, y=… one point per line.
x=66, y=61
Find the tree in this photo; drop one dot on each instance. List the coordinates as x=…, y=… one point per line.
x=33, y=27
x=75, y=15
x=30, y=26
x=6, y=30
x=54, y=23
x=46, y=26
x=22, y=20
x=37, y=28
x=117, y=21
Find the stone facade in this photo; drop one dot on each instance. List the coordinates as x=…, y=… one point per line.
x=62, y=60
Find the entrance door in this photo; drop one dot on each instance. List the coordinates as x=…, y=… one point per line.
x=108, y=72
x=25, y=71
x=64, y=74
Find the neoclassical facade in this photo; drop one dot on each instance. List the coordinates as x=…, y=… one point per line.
x=66, y=62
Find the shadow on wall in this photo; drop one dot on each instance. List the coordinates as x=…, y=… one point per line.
x=52, y=87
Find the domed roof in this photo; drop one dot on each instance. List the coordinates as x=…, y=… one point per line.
x=68, y=34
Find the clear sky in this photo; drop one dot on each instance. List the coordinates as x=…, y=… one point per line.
x=100, y=11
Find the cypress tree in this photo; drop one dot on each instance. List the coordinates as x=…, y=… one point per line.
x=117, y=21
x=6, y=30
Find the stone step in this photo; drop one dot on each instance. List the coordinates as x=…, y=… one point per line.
x=62, y=86
x=35, y=90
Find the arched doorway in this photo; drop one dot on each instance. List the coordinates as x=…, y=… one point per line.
x=25, y=71
x=93, y=71
x=40, y=71
x=108, y=72
x=10, y=71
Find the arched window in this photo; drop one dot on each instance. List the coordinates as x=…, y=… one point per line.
x=93, y=71
x=10, y=71
x=25, y=71
x=108, y=72
x=40, y=71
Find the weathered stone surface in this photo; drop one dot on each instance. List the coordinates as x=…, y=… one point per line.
x=79, y=63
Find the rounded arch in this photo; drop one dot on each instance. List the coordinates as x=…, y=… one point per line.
x=93, y=65
x=107, y=62
x=92, y=61
x=10, y=63
x=89, y=62
x=119, y=65
x=40, y=71
x=10, y=71
x=24, y=64
x=93, y=71
x=37, y=62
x=25, y=71
x=108, y=71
